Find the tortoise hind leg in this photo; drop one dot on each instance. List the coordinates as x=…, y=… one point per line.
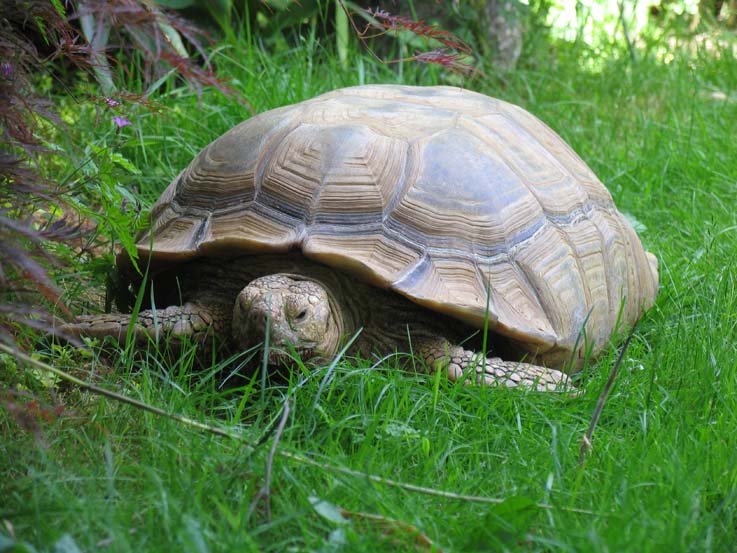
x=492, y=371
x=194, y=320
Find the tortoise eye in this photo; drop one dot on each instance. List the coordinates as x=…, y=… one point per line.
x=301, y=315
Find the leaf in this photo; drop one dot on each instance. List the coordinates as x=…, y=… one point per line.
x=337, y=540
x=59, y=8
x=175, y=39
x=400, y=430
x=116, y=158
x=327, y=510
x=160, y=81
x=66, y=544
x=34, y=271
x=97, y=32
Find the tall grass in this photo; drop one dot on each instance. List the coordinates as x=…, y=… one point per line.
x=662, y=473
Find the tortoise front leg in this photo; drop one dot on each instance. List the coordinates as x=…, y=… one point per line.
x=462, y=363
x=193, y=319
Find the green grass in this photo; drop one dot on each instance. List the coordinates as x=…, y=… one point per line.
x=663, y=472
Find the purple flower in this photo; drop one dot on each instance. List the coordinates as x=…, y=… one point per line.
x=121, y=121
x=112, y=103
x=6, y=69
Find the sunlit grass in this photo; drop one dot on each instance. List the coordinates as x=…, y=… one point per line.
x=662, y=474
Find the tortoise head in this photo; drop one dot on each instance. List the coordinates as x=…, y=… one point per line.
x=298, y=312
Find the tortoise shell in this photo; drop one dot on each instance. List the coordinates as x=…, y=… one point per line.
x=465, y=204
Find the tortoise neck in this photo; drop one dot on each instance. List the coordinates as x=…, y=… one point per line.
x=343, y=305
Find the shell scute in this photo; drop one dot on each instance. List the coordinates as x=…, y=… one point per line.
x=447, y=206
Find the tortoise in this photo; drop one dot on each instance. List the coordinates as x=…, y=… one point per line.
x=404, y=218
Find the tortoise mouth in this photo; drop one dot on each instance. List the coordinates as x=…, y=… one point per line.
x=292, y=356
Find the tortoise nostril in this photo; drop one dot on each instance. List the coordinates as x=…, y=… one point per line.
x=258, y=315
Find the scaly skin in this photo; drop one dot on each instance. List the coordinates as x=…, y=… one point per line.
x=471, y=367
x=312, y=310
x=195, y=320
